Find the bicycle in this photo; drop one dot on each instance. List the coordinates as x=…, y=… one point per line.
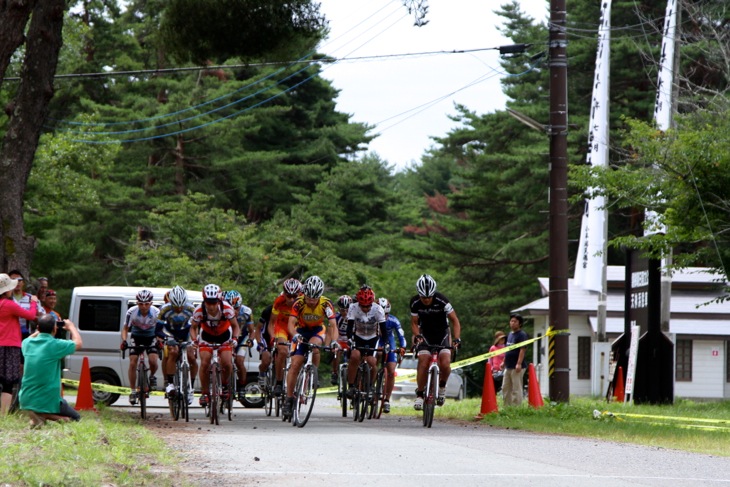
x=362, y=400
x=378, y=398
x=271, y=399
x=430, y=394
x=143, y=385
x=305, y=390
x=178, y=398
x=215, y=389
x=342, y=382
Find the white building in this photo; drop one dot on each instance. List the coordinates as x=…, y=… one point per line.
x=699, y=328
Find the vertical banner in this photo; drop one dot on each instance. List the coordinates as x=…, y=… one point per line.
x=592, y=240
x=631, y=372
x=664, y=93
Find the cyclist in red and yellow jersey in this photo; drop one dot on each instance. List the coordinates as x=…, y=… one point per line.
x=279, y=327
x=312, y=320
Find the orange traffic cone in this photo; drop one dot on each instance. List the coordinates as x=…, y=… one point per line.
x=619, y=390
x=533, y=388
x=85, y=399
x=489, y=396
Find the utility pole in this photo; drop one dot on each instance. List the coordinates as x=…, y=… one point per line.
x=558, y=347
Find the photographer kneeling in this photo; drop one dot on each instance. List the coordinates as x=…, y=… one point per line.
x=40, y=392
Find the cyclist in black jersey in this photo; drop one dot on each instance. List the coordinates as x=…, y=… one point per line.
x=431, y=313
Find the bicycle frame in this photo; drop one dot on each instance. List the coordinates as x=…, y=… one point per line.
x=142, y=382
x=430, y=394
x=305, y=390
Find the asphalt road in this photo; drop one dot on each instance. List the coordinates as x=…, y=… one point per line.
x=258, y=450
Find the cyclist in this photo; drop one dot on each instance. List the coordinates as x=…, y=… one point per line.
x=279, y=327
x=214, y=323
x=263, y=340
x=393, y=331
x=343, y=304
x=365, y=323
x=312, y=320
x=173, y=326
x=245, y=322
x=430, y=315
x=141, y=323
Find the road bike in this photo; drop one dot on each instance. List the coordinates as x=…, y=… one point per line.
x=342, y=382
x=305, y=389
x=362, y=401
x=183, y=388
x=430, y=394
x=273, y=402
x=377, y=399
x=143, y=382
x=213, y=408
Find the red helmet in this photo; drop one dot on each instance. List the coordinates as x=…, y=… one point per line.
x=365, y=296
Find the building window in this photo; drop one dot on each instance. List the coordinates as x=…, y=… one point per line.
x=683, y=371
x=727, y=361
x=584, y=357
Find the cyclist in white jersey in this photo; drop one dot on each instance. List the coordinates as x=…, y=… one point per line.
x=365, y=323
x=140, y=323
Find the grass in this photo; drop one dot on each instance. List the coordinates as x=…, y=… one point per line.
x=685, y=425
x=105, y=448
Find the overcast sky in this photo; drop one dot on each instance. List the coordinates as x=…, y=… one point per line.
x=409, y=99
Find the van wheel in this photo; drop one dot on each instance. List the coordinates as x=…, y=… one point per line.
x=253, y=398
x=107, y=398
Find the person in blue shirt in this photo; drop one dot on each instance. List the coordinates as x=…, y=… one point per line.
x=173, y=327
x=393, y=331
x=244, y=315
x=514, y=363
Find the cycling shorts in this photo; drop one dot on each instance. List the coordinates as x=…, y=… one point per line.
x=150, y=344
x=392, y=357
x=369, y=343
x=206, y=339
x=344, y=344
x=282, y=332
x=423, y=347
x=307, y=335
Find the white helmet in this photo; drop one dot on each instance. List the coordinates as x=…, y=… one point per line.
x=385, y=304
x=144, y=296
x=426, y=286
x=212, y=291
x=313, y=287
x=178, y=297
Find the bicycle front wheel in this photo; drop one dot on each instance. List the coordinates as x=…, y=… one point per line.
x=365, y=392
x=304, y=395
x=143, y=388
x=186, y=390
x=431, y=393
x=232, y=392
x=343, y=390
x=173, y=398
x=376, y=407
x=215, y=391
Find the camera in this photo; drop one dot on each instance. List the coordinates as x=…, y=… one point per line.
x=60, y=324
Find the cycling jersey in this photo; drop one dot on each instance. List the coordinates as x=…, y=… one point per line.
x=141, y=326
x=365, y=324
x=432, y=319
x=281, y=311
x=311, y=317
x=214, y=326
x=174, y=323
x=393, y=330
x=264, y=321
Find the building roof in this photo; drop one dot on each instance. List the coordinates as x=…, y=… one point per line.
x=695, y=307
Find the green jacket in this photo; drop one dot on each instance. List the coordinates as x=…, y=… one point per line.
x=41, y=388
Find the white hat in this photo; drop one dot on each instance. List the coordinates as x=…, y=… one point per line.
x=7, y=284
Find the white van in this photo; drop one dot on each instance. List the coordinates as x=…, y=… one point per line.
x=99, y=313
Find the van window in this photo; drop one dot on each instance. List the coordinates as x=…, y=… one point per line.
x=100, y=315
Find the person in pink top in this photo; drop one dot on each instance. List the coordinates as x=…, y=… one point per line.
x=497, y=362
x=10, y=338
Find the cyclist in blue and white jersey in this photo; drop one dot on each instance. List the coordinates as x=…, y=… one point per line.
x=343, y=304
x=393, y=331
x=245, y=321
x=173, y=326
x=141, y=323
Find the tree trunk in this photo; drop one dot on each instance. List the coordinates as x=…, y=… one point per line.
x=14, y=15
x=29, y=110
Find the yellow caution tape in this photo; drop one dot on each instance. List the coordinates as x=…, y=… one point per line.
x=674, y=421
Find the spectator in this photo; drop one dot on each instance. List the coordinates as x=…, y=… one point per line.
x=42, y=288
x=40, y=392
x=23, y=299
x=497, y=362
x=10, y=338
x=49, y=307
x=514, y=363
